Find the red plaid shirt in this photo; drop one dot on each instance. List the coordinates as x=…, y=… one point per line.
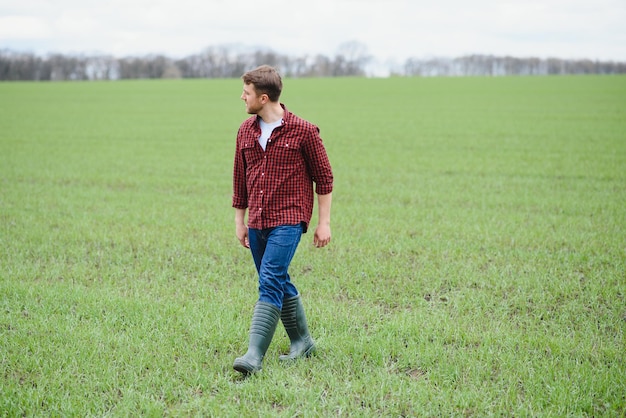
x=276, y=185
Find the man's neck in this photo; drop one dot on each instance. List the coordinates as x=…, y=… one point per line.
x=271, y=112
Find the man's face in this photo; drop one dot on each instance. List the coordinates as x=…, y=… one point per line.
x=254, y=103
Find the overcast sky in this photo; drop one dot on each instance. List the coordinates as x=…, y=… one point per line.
x=390, y=29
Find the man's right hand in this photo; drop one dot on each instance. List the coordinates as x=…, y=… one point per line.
x=242, y=234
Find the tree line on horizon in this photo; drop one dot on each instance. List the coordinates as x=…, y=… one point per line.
x=351, y=59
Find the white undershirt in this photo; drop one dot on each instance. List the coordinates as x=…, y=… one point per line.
x=266, y=131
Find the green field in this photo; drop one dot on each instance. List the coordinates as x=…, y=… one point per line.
x=478, y=261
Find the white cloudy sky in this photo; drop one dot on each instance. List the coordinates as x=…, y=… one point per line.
x=390, y=29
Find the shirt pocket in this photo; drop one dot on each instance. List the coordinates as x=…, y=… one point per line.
x=252, y=155
x=287, y=154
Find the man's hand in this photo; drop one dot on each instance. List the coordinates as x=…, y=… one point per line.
x=322, y=235
x=241, y=229
x=242, y=234
x=322, y=232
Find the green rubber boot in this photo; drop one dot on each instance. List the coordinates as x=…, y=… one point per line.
x=264, y=322
x=294, y=320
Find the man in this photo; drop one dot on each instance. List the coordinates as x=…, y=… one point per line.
x=278, y=158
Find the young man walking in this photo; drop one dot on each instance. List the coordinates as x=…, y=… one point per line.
x=280, y=161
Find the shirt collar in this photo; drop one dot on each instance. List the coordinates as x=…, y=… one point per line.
x=286, y=116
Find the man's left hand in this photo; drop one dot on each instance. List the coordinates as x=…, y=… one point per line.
x=322, y=236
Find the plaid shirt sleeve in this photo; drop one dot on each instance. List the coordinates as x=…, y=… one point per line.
x=317, y=162
x=240, y=193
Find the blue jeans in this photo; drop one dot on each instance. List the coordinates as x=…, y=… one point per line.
x=272, y=250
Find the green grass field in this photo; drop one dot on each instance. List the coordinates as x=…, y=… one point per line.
x=478, y=261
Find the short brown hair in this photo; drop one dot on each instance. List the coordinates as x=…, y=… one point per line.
x=265, y=80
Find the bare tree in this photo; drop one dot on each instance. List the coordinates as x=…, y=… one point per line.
x=351, y=59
